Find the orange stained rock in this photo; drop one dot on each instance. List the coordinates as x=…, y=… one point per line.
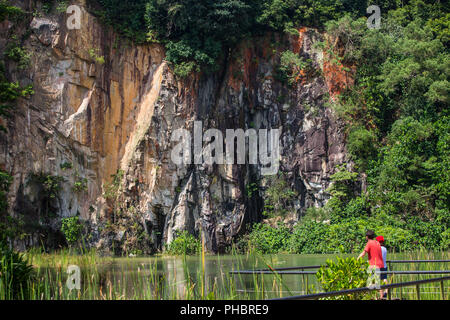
x=336, y=77
x=298, y=44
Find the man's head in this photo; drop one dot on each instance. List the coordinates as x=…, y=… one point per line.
x=370, y=234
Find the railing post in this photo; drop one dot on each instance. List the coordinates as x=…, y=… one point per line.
x=442, y=290
x=307, y=290
x=391, y=278
x=418, y=291
x=389, y=294
x=303, y=283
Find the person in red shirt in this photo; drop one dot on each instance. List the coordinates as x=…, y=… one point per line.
x=373, y=250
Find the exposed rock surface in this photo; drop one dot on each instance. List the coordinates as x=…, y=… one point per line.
x=120, y=115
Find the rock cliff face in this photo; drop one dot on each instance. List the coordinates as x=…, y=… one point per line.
x=90, y=120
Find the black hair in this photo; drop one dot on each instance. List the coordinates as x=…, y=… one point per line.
x=370, y=234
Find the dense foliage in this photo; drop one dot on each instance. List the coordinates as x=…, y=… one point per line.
x=343, y=237
x=198, y=33
x=398, y=122
x=9, y=11
x=398, y=137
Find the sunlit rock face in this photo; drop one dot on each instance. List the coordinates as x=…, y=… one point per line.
x=119, y=116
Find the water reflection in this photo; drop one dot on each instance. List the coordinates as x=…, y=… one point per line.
x=186, y=278
x=176, y=276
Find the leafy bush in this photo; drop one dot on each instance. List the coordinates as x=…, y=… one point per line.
x=445, y=243
x=398, y=239
x=9, y=93
x=111, y=190
x=184, y=243
x=342, y=190
x=427, y=234
x=358, y=207
x=18, y=54
x=71, y=228
x=342, y=274
x=93, y=53
x=66, y=165
x=80, y=184
x=15, y=275
x=291, y=67
x=316, y=214
x=184, y=69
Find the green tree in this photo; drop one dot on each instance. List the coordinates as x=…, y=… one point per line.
x=196, y=33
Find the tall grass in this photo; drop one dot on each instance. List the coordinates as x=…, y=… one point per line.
x=15, y=275
x=429, y=291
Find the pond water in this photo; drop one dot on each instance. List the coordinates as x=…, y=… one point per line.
x=176, y=275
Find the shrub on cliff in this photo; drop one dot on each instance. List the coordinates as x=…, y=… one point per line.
x=9, y=11
x=71, y=228
x=278, y=196
x=10, y=227
x=127, y=17
x=9, y=93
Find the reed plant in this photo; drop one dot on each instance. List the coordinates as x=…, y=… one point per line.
x=429, y=291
